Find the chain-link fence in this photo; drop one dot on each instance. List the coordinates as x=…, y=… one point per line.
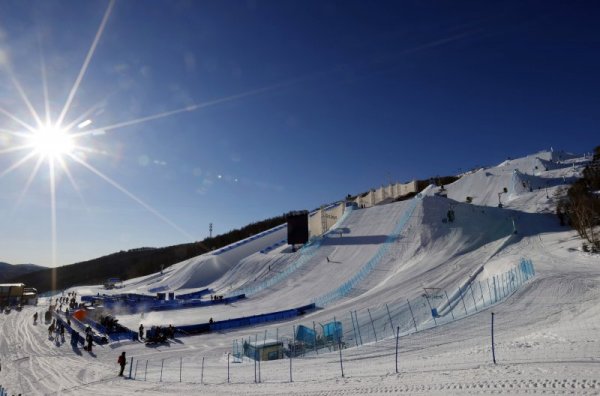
x=371, y=341
x=359, y=327
x=464, y=344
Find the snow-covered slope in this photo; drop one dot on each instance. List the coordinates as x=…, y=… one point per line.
x=546, y=334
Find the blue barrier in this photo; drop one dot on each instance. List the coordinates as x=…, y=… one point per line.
x=333, y=330
x=245, y=321
x=149, y=303
x=306, y=335
x=98, y=338
x=193, y=295
x=273, y=246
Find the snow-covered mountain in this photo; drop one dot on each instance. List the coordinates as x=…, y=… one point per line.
x=9, y=271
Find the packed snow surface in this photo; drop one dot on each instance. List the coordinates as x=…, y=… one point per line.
x=546, y=333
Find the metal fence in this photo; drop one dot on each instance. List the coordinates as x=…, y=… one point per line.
x=378, y=340
x=360, y=327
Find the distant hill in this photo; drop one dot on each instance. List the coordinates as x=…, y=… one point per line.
x=9, y=271
x=135, y=262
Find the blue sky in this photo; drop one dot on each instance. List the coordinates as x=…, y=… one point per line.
x=295, y=104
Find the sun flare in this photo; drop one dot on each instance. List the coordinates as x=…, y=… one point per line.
x=52, y=142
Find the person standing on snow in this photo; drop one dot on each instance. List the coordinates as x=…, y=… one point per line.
x=141, y=331
x=89, y=340
x=122, y=362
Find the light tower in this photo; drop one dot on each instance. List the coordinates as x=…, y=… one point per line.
x=210, y=230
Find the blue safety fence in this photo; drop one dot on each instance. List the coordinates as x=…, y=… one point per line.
x=306, y=253
x=194, y=295
x=374, y=324
x=274, y=246
x=128, y=304
x=245, y=321
x=347, y=286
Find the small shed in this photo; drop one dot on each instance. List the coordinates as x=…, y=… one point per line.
x=11, y=293
x=264, y=349
x=30, y=296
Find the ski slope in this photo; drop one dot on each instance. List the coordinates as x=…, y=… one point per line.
x=546, y=332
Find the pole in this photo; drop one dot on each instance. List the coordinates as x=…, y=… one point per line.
x=130, y=367
x=292, y=353
x=202, y=372
x=413, y=316
x=358, y=327
x=255, y=357
x=519, y=275
x=397, y=337
x=146, y=371
x=462, y=299
x=481, y=291
x=180, y=366
x=354, y=328
x=372, y=324
x=135, y=372
x=473, y=295
x=452, y=308
x=227, y=367
x=315, y=335
x=493, y=350
x=340, y=348
x=390, y=316
x=161, y=368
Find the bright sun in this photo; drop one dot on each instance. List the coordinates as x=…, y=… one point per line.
x=52, y=142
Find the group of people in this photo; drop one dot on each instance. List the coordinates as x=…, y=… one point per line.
x=109, y=322
x=157, y=333
x=216, y=298
x=58, y=328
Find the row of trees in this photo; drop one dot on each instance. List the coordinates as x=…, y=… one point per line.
x=580, y=208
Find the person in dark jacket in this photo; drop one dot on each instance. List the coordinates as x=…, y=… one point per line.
x=122, y=362
x=90, y=340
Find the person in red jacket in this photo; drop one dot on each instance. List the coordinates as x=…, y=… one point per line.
x=122, y=362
